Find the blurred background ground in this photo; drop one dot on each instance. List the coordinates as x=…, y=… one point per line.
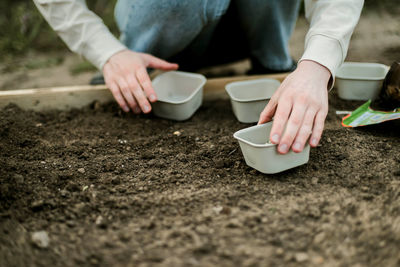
x=31, y=54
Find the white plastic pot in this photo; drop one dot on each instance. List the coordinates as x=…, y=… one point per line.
x=264, y=157
x=360, y=81
x=249, y=98
x=179, y=94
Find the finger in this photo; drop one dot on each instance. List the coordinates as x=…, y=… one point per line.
x=318, y=128
x=139, y=94
x=305, y=130
x=118, y=97
x=145, y=83
x=157, y=63
x=268, y=112
x=281, y=116
x=126, y=92
x=293, y=125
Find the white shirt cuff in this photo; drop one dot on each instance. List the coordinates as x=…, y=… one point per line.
x=326, y=51
x=100, y=47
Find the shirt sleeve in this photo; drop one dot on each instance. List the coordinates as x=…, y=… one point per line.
x=81, y=29
x=332, y=23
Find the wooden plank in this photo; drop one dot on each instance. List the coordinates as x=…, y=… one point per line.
x=68, y=97
x=62, y=98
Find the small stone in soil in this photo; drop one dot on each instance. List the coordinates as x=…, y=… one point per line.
x=101, y=222
x=41, y=239
x=177, y=133
x=217, y=209
x=99, y=219
x=279, y=251
x=81, y=170
x=301, y=257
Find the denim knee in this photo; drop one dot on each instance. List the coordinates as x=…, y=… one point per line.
x=145, y=13
x=163, y=27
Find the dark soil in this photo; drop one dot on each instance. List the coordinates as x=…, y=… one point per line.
x=112, y=189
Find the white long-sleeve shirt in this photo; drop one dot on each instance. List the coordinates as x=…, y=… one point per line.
x=331, y=25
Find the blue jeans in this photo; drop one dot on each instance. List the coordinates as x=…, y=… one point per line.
x=167, y=29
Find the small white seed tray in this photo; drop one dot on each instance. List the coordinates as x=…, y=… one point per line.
x=249, y=98
x=263, y=156
x=360, y=81
x=179, y=94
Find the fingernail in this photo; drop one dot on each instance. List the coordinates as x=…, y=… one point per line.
x=296, y=146
x=152, y=98
x=146, y=109
x=314, y=141
x=126, y=109
x=283, y=148
x=137, y=110
x=275, y=138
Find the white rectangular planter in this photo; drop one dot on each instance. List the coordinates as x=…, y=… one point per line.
x=179, y=94
x=263, y=156
x=249, y=98
x=360, y=81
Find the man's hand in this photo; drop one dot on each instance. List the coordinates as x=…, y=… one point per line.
x=126, y=76
x=300, y=103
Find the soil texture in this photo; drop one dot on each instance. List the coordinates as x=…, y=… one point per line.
x=96, y=187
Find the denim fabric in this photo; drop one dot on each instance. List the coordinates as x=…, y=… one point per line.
x=166, y=28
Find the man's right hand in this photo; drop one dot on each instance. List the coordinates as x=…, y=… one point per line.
x=126, y=76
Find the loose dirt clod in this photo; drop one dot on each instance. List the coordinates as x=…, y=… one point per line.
x=19, y=179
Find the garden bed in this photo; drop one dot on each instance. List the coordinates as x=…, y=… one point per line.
x=113, y=189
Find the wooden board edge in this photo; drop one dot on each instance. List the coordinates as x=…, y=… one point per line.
x=68, y=97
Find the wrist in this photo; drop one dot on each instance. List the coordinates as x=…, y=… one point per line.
x=113, y=57
x=319, y=71
x=118, y=54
